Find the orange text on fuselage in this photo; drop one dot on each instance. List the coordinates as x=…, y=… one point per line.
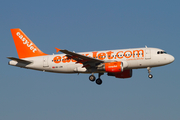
x=129, y=54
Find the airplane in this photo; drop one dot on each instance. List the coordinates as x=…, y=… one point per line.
x=118, y=63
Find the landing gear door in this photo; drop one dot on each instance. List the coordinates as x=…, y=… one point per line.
x=45, y=62
x=148, y=53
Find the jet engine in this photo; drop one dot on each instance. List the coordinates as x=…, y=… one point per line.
x=112, y=67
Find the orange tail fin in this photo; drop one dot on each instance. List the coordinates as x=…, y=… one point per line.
x=24, y=46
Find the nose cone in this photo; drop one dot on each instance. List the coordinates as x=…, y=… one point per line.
x=171, y=58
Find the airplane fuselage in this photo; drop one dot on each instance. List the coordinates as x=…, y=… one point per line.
x=118, y=63
x=132, y=59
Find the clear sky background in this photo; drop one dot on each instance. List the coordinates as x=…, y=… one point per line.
x=89, y=25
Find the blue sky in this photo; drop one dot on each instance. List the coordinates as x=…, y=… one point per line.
x=87, y=26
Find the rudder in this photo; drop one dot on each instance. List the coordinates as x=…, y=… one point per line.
x=24, y=46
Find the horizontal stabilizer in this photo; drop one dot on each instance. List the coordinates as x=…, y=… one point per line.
x=20, y=60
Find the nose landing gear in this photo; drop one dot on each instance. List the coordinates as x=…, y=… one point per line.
x=149, y=71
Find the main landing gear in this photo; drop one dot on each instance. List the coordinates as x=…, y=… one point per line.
x=149, y=71
x=93, y=78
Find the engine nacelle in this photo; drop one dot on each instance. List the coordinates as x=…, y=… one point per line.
x=124, y=74
x=114, y=67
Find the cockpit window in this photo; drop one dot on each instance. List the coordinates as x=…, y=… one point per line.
x=161, y=52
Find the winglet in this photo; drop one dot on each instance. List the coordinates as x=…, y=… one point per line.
x=57, y=49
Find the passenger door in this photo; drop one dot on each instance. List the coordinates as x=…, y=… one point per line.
x=45, y=62
x=148, y=53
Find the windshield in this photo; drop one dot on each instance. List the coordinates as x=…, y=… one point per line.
x=161, y=52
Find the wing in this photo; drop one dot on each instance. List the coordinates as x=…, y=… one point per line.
x=85, y=60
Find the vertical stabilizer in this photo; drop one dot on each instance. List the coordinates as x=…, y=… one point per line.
x=24, y=46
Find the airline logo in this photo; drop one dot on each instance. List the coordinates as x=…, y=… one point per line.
x=128, y=55
x=26, y=42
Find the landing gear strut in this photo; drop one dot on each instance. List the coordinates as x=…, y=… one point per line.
x=149, y=71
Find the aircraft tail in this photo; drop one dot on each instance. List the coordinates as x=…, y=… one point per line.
x=24, y=46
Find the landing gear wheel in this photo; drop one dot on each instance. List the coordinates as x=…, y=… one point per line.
x=99, y=81
x=149, y=71
x=150, y=76
x=92, y=78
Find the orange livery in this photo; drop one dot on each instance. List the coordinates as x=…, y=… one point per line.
x=118, y=63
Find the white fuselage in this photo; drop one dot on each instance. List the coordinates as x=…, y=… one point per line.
x=132, y=59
